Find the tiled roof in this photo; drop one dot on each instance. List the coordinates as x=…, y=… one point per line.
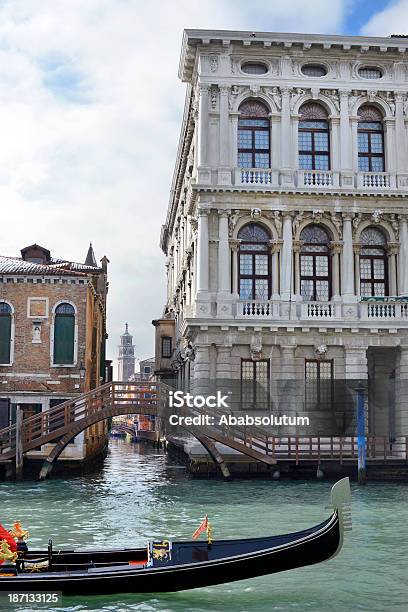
x=75, y=266
x=56, y=267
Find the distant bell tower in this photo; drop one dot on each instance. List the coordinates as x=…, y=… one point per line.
x=126, y=359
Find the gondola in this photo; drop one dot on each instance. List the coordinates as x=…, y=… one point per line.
x=174, y=566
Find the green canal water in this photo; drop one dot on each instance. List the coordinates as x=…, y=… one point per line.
x=140, y=494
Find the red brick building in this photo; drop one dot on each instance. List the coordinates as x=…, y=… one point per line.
x=52, y=338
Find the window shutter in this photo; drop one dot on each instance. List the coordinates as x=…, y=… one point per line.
x=4, y=413
x=64, y=339
x=5, y=338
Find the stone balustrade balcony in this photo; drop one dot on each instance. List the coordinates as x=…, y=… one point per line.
x=391, y=310
x=268, y=178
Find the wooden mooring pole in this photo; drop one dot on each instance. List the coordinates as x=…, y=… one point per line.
x=19, y=443
x=361, y=436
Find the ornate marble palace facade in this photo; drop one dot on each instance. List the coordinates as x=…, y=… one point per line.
x=286, y=234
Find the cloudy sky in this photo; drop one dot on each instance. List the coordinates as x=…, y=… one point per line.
x=90, y=111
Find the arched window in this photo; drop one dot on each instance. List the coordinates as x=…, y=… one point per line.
x=315, y=281
x=5, y=333
x=314, y=140
x=64, y=334
x=370, y=140
x=253, y=135
x=254, y=263
x=373, y=263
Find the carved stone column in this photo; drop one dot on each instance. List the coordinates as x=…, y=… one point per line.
x=346, y=165
x=403, y=255
x=286, y=139
x=401, y=142
x=286, y=259
x=347, y=261
x=275, y=151
x=224, y=273
x=389, y=125
x=275, y=247
x=335, y=149
x=233, y=117
x=204, y=174
x=202, y=255
x=357, y=280
x=297, y=247
x=354, y=139
x=224, y=172
x=336, y=250
x=392, y=267
x=234, y=244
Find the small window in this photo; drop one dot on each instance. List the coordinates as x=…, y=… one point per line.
x=255, y=378
x=167, y=346
x=370, y=73
x=314, y=70
x=147, y=369
x=254, y=68
x=64, y=334
x=5, y=332
x=319, y=384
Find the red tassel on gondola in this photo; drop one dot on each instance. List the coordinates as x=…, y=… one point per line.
x=5, y=535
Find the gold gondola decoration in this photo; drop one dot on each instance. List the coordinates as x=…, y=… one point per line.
x=6, y=555
x=18, y=532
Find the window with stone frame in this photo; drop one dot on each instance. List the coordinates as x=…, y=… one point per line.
x=319, y=383
x=373, y=263
x=253, y=135
x=254, y=263
x=315, y=268
x=313, y=137
x=166, y=346
x=370, y=138
x=255, y=377
x=5, y=333
x=64, y=334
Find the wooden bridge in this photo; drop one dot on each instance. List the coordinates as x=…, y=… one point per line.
x=59, y=425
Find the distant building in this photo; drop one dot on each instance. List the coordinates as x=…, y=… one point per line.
x=52, y=338
x=147, y=367
x=126, y=358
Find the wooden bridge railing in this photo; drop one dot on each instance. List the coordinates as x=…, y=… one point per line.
x=50, y=425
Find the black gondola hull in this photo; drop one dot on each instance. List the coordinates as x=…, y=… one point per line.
x=193, y=565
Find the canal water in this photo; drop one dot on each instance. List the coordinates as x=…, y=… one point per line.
x=141, y=494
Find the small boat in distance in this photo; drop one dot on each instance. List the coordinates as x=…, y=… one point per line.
x=175, y=566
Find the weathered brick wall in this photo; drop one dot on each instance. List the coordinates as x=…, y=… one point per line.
x=32, y=361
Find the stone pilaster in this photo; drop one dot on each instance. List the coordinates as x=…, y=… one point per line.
x=224, y=300
x=286, y=259
x=347, y=261
x=335, y=251
x=403, y=256
x=201, y=370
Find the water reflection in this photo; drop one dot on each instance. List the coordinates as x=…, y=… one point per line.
x=140, y=494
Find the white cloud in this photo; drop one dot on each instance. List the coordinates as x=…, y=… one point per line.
x=90, y=110
x=393, y=19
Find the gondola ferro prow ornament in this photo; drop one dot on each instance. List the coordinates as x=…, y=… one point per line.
x=341, y=503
